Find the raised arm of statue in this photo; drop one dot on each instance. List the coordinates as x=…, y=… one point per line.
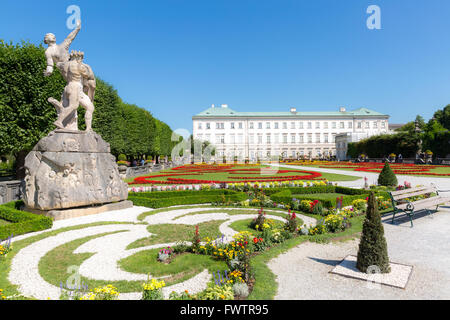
x=66, y=43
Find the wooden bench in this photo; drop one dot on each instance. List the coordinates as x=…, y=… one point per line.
x=401, y=203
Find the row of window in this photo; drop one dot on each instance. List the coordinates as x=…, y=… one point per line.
x=294, y=153
x=284, y=138
x=299, y=125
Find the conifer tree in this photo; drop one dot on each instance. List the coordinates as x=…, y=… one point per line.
x=387, y=176
x=373, y=247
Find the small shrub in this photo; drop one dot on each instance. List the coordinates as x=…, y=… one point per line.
x=259, y=221
x=373, y=247
x=215, y=292
x=122, y=157
x=387, y=177
x=152, y=290
x=240, y=290
x=334, y=222
x=359, y=204
x=317, y=208
x=107, y=292
x=291, y=223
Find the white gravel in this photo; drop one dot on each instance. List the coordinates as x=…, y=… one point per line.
x=107, y=250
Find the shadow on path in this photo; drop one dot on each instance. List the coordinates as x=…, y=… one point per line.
x=326, y=261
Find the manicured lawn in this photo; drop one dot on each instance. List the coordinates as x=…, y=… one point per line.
x=166, y=233
x=183, y=266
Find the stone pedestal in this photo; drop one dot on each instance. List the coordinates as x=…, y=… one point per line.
x=70, y=169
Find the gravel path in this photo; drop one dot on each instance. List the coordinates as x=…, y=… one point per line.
x=303, y=272
x=107, y=250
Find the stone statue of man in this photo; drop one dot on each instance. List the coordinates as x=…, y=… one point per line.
x=58, y=54
x=75, y=72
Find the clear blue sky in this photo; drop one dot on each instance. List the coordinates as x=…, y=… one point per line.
x=177, y=57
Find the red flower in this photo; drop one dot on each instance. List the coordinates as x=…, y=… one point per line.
x=255, y=240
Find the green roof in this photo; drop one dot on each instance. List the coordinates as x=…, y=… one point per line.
x=228, y=112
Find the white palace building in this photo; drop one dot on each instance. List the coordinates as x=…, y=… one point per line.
x=292, y=134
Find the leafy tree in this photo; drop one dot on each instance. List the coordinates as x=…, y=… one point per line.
x=387, y=176
x=372, y=249
x=25, y=114
x=443, y=117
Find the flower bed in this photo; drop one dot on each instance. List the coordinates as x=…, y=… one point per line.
x=247, y=175
x=398, y=168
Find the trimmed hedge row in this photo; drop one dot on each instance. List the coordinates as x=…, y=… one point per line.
x=301, y=190
x=144, y=201
x=21, y=221
x=350, y=194
x=184, y=193
x=284, y=196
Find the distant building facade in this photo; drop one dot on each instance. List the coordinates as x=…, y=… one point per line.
x=292, y=134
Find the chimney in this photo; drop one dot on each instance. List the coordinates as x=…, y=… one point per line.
x=342, y=109
x=224, y=106
x=293, y=110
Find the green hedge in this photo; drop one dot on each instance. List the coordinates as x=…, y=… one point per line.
x=300, y=190
x=184, y=193
x=21, y=221
x=284, y=196
x=142, y=199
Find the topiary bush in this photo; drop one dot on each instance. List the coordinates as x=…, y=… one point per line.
x=373, y=247
x=387, y=177
x=122, y=157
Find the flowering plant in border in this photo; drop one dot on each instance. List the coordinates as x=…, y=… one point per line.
x=165, y=254
x=108, y=292
x=6, y=247
x=152, y=290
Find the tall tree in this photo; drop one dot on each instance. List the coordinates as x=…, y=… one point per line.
x=25, y=114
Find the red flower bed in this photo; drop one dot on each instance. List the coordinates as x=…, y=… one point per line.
x=189, y=170
x=398, y=168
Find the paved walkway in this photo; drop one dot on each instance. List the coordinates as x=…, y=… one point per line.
x=303, y=272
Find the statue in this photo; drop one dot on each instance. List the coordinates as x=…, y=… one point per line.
x=75, y=72
x=79, y=72
x=71, y=172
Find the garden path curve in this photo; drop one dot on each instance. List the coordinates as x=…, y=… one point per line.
x=108, y=249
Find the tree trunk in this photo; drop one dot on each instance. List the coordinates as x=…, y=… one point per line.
x=20, y=164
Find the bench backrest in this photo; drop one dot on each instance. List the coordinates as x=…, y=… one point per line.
x=411, y=192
